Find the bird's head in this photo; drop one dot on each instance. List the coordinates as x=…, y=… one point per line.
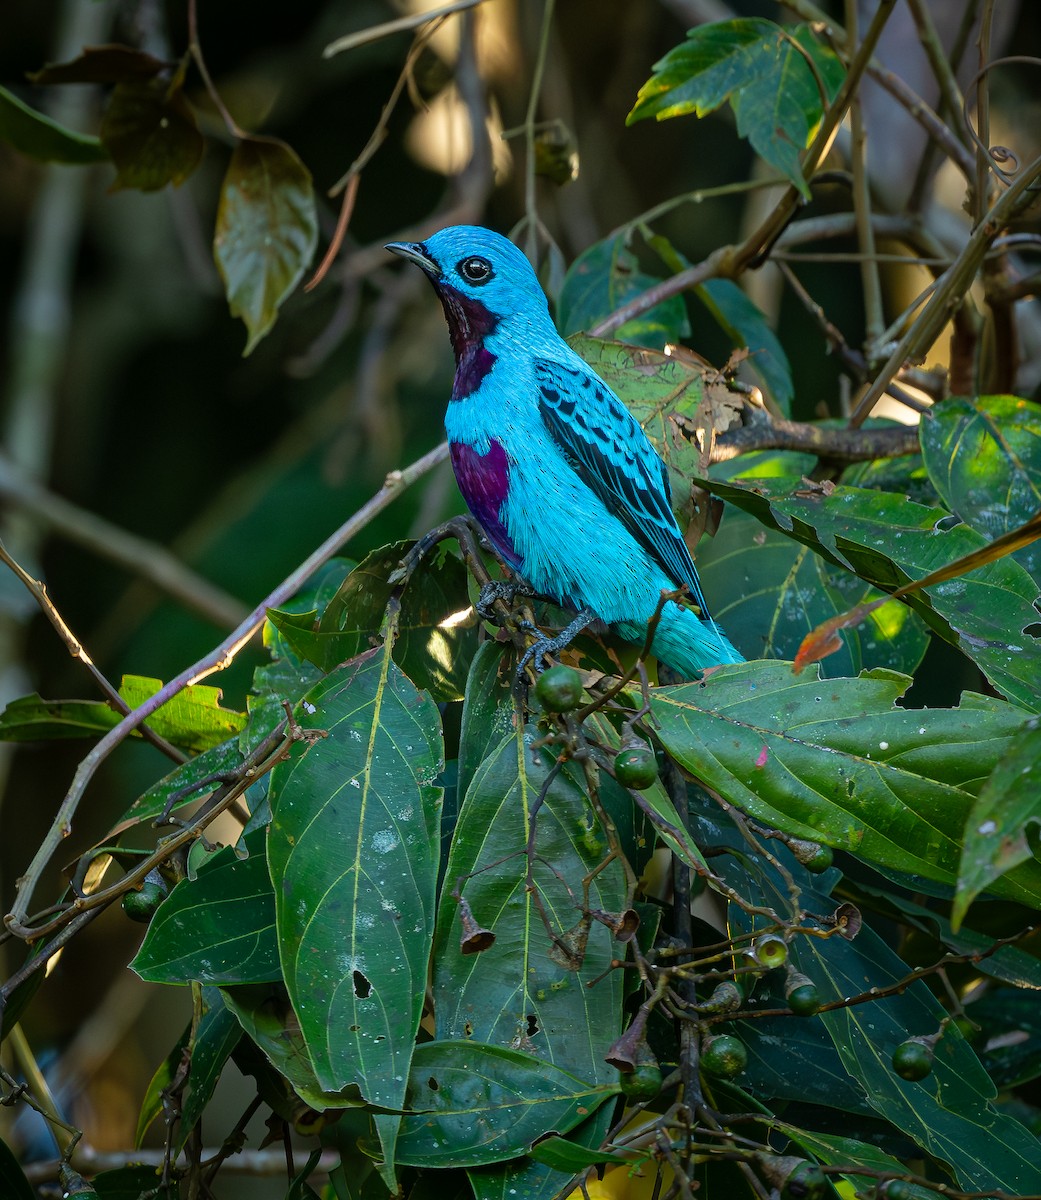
x=483, y=280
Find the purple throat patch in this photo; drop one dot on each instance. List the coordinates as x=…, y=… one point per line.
x=484, y=480
x=469, y=323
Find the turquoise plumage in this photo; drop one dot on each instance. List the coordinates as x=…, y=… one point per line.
x=552, y=464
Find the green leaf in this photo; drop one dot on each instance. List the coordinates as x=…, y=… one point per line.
x=762, y=70
x=31, y=718
x=353, y=851
x=527, y=989
x=152, y=1102
x=13, y=1182
x=131, y=1183
x=768, y=592
x=214, y=1037
x=745, y=325
x=267, y=1017
x=601, y=280
x=836, y=761
x=205, y=769
x=193, y=719
x=1010, y=1035
x=850, y=1153
x=888, y=541
x=436, y=625
x=984, y=458
x=37, y=136
x=266, y=233
x=150, y=133
x=1001, y=828
x=217, y=928
x=472, y=1104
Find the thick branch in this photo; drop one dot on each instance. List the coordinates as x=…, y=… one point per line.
x=841, y=445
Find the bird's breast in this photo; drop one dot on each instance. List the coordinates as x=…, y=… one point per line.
x=484, y=480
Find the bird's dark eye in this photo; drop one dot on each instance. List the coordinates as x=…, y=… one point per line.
x=475, y=270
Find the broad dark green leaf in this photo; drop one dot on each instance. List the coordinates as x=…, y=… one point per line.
x=204, y=769
x=888, y=541
x=1009, y=1041
x=13, y=1182
x=526, y=990
x=489, y=712
x=218, y=928
x=267, y=229
x=353, y=852
x=768, y=592
x=436, y=626
x=837, y=761
x=31, y=718
x=745, y=325
x=150, y=134
x=984, y=457
x=1001, y=828
x=602, y=279
x=471, y=1104
x=760, y=69
x=37, y=136
x=264, y=1012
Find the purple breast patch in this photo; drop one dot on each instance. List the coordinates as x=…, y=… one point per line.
x=469, y=323
x=484, y=480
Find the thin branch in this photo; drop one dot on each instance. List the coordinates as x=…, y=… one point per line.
x=195, y=49
x=216, y=660
x=351, y=41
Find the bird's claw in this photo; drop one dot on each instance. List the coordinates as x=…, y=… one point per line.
x=543, y=646
x=499, y=589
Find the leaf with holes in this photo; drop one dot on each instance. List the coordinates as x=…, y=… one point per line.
x=984, y=458
x=472, y=1104
x=837, y=761
x=353, y=849
x=888, y=541
x=267, y=229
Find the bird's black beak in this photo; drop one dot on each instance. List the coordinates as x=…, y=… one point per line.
x=416, y=252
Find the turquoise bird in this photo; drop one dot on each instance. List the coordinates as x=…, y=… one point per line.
x=554, y=467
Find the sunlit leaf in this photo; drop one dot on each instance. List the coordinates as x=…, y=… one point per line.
x=193, y=718
x=762, y=70
x=266, y=233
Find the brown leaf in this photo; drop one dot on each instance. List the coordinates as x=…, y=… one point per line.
x=102, y=64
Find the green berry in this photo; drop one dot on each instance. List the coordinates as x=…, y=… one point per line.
x=141, y=904
x=820, y=860
x=802, y=996
x=770, y=951
x=559, y=689
x=636, y=767
x=897, y=1189
x=643, y=1083
x=724, y=1056
x=806, y=1182
x=912, y=1060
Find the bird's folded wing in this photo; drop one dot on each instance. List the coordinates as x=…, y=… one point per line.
x=606, y=446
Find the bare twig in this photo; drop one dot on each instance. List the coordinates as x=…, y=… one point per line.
x=352, y=41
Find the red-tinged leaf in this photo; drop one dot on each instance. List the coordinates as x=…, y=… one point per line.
x=266, y=232
x=102, y=64
x=150, y=132
x=825, y=640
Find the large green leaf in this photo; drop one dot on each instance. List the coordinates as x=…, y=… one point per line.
x=15, y=1184
x=472, y=1104
x=36, y=135
x=888, y=541
x=984, y=458
x=217, y=928
x=836, y=761
x=436, y=628
x=602, y=279
x=1001, y=828
x=267, y=229
x=762, y=70
x=768, y=592
x=353, y=850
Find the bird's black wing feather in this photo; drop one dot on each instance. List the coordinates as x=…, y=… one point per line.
x=605, y=444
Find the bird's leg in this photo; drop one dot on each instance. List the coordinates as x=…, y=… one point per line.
x=545, y=645
x=500, y=589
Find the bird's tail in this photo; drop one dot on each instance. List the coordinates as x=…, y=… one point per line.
x=684, y=642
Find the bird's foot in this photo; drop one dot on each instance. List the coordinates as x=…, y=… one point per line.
x=543, y=645
x=499, y=589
